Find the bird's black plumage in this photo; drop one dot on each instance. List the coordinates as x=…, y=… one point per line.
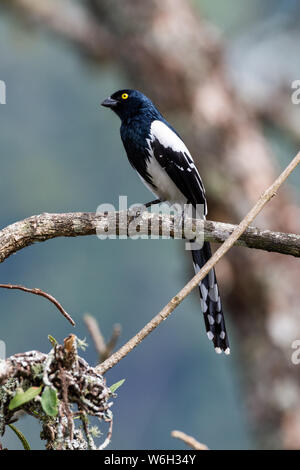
x=163, y=162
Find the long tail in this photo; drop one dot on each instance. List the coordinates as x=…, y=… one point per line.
x=211, y=302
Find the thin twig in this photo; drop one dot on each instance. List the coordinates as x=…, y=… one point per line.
x=189, y=440
x=194, y=282
x=103, y=349
x=42, y=294
x=95, y=332
x=110, y=346
x=108, y=437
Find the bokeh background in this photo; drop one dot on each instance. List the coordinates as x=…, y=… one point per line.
x=226, y=84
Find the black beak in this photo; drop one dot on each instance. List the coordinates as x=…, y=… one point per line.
x=109, y=103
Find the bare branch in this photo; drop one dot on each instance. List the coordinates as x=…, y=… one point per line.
x=95, y=332
x=42, y=294
x=194, y=282
x=189, y=440
x=103, y=349
x=110, y=346
x=39, y=228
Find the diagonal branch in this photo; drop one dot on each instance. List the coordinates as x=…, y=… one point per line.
x=189, y=440
x=194, y=282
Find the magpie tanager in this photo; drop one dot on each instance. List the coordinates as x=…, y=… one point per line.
x=166, y=167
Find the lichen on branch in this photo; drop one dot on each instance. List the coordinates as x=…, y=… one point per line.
x=56, y=388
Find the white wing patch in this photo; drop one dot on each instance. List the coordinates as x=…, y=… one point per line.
x=168, y=138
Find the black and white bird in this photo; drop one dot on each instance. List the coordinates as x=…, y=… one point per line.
x=166, y=167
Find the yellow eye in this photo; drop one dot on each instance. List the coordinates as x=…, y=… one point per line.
x=124, y=96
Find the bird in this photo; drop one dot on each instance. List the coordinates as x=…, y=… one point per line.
x=165, y=165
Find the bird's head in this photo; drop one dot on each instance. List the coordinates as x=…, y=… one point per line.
x=128, y=103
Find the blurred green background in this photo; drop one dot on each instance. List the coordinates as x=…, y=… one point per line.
x=61, y=152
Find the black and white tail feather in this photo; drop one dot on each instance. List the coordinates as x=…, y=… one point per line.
x=210, y=301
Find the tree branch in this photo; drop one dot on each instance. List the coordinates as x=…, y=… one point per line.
x=42, y=294
x=189, y=440
x=39, y=228
x=194, y=282
x=103, y=349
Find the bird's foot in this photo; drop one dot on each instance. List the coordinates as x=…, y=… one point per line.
x=151, y=203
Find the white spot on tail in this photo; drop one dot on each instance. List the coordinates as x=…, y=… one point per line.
x=196, y=268
x=210, y=335
x=219, y=318
x=213, y=293
x=211, y=279
x=203, y=305
x=204, y=291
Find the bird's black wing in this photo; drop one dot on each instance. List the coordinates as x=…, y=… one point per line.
x=173, y=156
